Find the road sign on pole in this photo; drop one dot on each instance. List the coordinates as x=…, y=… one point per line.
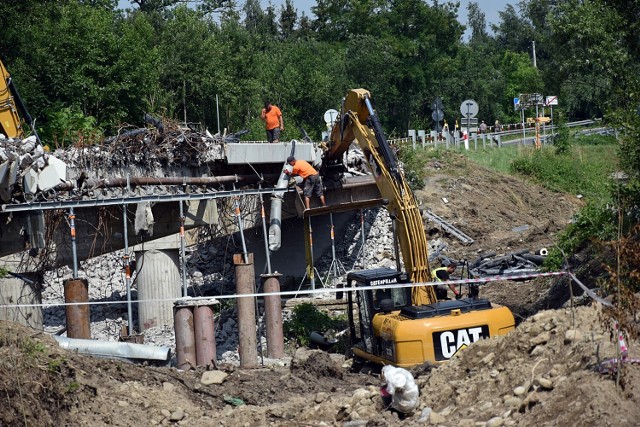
x=516, y=104
x=551, y=100
x=438, y=113
x=469, y=109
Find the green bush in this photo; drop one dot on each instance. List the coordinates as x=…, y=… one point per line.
x=67, y=126
x=305, y=319
x=592, y=222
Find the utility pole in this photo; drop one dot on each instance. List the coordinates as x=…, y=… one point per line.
x=533, y=44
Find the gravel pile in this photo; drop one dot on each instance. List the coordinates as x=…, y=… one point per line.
x=210, y=273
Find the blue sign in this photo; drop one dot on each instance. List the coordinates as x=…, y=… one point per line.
x=516, y=103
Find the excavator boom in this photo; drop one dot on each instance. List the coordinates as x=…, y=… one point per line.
x=10, y=124
x=10, y=105
x=398, y=325
x=360, y=123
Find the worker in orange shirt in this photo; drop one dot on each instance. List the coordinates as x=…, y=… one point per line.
x=311, y=183
x=272, y=117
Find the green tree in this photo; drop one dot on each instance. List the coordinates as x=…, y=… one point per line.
x=288, y=19
x=591, y=55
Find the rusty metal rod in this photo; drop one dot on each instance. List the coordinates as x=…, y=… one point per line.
x=174, y=180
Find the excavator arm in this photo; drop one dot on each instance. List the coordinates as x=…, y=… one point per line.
x=360, y=123
x=10, y=104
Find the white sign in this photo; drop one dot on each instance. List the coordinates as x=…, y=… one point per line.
x=469, y=108
x=330, y=116
x=551, y=100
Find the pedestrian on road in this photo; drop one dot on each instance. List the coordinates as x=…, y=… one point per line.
x=311, y=184
x=442, y=275
x=272, y=117
x=483, y=127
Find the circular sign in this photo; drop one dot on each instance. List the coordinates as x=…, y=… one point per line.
x=469, y=108
x=437, y=115
x=330, y=116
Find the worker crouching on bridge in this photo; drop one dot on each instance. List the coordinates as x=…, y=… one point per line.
x=442, y=275
x=311, y=179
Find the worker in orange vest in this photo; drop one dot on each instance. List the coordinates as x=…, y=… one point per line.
x=311, y=184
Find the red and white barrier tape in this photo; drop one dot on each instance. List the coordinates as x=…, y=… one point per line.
x=213, y=300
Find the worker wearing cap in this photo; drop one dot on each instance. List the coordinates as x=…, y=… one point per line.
x=311, y=184
x=442, y=275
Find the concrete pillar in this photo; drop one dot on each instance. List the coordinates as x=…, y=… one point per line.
x=185, y=337
x=78, y=316
x=204, y=335
x=273, y=316
x=158, y=278
x=16, y=291
x=245, y=284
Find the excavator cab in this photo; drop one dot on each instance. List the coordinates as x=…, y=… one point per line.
x=373, y=302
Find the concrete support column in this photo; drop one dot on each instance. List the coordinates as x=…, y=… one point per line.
x=158, y=278
x=78, y=316
x=16, y=291
x=204, y=335
x=273, y=316
x=245, y=284
x=185, y=337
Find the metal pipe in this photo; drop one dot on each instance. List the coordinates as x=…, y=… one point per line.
x=77, y=316
x=114, y=349
x=362, y=235
x=273, y=316
x=173, y=180
x=245, y=284
x=134, y=200
x=74, y=249
x=185, y=337
x=240, y=227
x=275, y=221
x=218, y=112
x=334, y=261
x=205, y=339
x=265, y=236
x=127, y=269
x=310, y=266
x=183, y=274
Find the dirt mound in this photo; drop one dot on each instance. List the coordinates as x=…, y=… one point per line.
x=501, y=213
x=545, y=372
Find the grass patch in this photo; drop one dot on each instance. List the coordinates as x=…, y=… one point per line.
x=584, y=169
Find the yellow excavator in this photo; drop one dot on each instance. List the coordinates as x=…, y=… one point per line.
x=403, y=326
x=10, y=103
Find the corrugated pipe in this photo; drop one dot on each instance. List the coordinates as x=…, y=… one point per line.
x=116, y=350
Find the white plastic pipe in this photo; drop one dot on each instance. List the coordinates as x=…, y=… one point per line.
x=113, y=349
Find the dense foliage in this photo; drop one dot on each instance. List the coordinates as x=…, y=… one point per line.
x=165, y=57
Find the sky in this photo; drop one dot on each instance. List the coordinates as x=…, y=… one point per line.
x=489, y=7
